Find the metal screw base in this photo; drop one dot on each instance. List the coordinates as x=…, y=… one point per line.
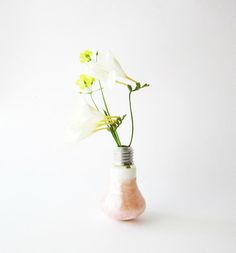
x=123, y=156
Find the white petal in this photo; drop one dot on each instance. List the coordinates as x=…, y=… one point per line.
x=110, y=80
x=108, y=61
x=74, y=135
x=83, y=122
x=100, y=71
x=117, y=67
x=107, y=69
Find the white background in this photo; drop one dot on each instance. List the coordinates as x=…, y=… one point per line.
x=184, y=144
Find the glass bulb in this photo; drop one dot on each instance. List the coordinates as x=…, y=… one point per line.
x=123, y=200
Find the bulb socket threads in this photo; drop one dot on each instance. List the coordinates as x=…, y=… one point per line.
x=123, y=156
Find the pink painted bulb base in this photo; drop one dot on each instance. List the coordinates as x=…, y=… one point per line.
x=124, y=200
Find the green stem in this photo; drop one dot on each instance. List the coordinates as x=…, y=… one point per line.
x=118, y=138
x=113, y=131
x=104, y=100
x=93, y=101
x=132, y=119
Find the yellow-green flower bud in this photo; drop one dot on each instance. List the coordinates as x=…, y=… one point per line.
x=85, y=81
x=86, y=56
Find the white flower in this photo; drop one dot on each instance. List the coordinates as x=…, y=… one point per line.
x=107, y=69
x=85, y=121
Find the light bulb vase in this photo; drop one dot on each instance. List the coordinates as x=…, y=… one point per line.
x=123, y=200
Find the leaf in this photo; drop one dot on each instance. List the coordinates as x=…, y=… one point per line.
x=123, y=117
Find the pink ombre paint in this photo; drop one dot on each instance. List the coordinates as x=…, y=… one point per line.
x=123, y=200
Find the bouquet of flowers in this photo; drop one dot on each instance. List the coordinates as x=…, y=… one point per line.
x=123, y=201
x=102, y=70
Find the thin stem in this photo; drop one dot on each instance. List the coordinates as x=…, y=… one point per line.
x=117, y=136
x=113, y=131
x=93, y=101
x=103, y=98
x=132, y=119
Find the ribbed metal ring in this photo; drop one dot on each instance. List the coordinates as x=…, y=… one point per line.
x=123, y=156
